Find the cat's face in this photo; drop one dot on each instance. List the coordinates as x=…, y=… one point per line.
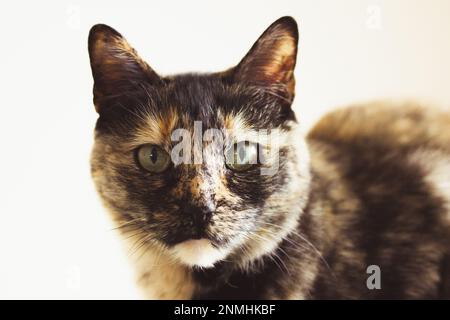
x=200, y=205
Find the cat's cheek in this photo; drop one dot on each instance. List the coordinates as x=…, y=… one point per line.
x=198, y=253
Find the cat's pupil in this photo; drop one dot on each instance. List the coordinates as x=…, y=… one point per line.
x=154, y=155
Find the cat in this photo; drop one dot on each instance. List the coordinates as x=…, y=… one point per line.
x=368, y=188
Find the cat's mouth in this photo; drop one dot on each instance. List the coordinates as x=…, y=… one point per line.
x=198, y=253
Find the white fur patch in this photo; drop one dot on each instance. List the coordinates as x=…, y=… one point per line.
x=439, y=177
x=437, y=167
x=198, y=253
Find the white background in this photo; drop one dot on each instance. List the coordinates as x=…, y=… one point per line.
x=55, y=238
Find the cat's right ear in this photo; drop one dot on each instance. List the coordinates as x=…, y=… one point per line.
x=116, y=66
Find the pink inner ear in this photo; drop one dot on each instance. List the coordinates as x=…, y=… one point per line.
x=271, y=60
x=281, y=63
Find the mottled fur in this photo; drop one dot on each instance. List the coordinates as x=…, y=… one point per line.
x=369, y=185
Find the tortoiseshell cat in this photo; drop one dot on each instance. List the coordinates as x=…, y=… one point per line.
x=369, y=185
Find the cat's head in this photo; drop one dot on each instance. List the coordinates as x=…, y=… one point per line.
x=200, y=195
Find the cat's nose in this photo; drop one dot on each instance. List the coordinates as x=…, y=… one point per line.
x=205, y=215
x=201, y=216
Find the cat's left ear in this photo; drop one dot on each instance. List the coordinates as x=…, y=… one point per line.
x=271, y=61
x=116, y=67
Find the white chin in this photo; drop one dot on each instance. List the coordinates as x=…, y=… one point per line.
x=198, y=253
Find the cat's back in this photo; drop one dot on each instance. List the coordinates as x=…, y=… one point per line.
x=386, y=124
x=384, y=172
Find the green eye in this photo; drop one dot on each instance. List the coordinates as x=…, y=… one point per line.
x=152, y=158
x=242, y=156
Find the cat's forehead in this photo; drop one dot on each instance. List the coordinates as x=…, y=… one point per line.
x=207, y=98
x=191, y=99
x=203, y=97
x=172, y=123
x=196, y=102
